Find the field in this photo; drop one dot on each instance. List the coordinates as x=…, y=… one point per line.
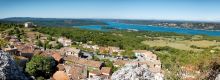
x=194, y=45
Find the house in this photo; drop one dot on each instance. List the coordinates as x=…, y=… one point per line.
x=60, y=75
x=77, y=72
x=57, y=56
x=70, y=51
x=65, y=41
x=91, y=47
x=29, y=24
x=11, y=50
x=94, y=73
x=26, y=51
x=119, y=63
x=106, y=71
x=89, y=63
x=145, y=55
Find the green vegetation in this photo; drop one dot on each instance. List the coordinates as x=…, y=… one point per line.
x=53, y=22
x=114, y=38
x=3, y=43
x=58, y=46
x=109, y=63
x=41, y=66
x=172, y=59
x=128, y=54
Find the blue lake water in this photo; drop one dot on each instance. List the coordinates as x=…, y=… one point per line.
x=151, y=28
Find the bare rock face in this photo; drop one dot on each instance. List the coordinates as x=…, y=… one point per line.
x=135, y=72
x=217, y=77
x=9, y=69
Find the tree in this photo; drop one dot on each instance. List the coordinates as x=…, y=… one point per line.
x=41, y=66
x=95, y=58
x=128, y=54
x=48, y=46
x=39, y=43
x=50, y=38
x=59, y=45
x=3, y=43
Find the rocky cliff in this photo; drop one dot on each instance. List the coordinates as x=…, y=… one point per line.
x=9, y=69
x=135, y=72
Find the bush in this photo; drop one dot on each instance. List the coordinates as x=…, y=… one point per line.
x=41, y=66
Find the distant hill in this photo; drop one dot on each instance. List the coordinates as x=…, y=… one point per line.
x=176, y=23
x=53, y=22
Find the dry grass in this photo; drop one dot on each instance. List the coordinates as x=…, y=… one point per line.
x=182, y=44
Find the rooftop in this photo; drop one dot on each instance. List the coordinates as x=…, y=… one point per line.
x=56, y=56
x=60, y=75
x=106, y=70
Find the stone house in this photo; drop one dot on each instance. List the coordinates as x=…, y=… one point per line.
x=66, y=42
x=70, y=51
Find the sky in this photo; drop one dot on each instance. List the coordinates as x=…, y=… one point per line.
x=208, y=10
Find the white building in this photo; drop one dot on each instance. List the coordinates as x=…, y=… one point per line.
x=65, y=41
x=70, y=51
x=29, y=24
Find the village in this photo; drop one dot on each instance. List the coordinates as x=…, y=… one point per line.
x=75, y=60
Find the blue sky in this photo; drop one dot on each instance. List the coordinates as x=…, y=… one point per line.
x=117, y=9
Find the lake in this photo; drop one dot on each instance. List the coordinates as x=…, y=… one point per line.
x=123, y=26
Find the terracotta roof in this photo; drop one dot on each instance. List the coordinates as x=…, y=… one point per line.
x=120, y=62
x=78, y=72
x=106, y=70
x=56, y=56
x=60, y=75
x=70, y=49
x=82, y=61
x=95, y=72
x=37, y=51
x=27, y=49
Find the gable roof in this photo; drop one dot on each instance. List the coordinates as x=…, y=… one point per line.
x=56, y=56
x=82, y=61
x=27, y=49
x=78, y=72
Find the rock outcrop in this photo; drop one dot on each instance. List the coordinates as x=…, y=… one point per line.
x=135, y=72
x=217, y=77
x=9, y=69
